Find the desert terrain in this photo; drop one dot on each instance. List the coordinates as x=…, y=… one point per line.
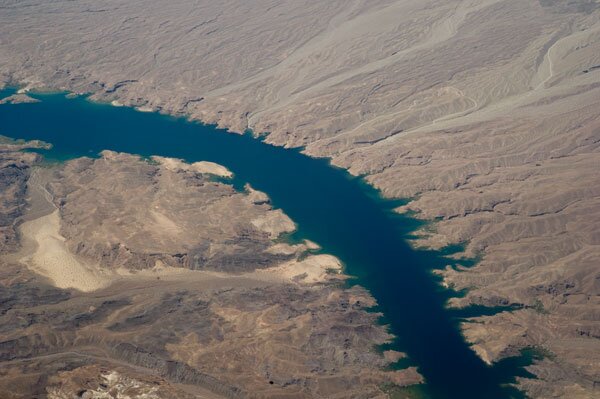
x=485, y=114
x=175, y=287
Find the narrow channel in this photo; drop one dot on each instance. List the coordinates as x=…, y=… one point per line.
x=339, y=212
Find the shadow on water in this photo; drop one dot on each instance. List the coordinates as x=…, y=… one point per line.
x=341, y=213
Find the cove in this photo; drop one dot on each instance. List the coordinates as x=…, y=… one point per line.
x=339, y=212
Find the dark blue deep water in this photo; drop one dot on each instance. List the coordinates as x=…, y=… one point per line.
x=339, y=212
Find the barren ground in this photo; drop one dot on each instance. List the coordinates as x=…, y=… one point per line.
x=205, y=303
x=484, y=113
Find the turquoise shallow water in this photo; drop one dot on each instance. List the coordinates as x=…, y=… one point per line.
x=341, y=213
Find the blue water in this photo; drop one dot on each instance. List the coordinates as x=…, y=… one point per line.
x=339, y=212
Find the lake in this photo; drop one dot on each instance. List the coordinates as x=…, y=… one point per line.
x=346, y=217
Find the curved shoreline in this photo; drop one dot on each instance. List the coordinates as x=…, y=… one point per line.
x=382, y=210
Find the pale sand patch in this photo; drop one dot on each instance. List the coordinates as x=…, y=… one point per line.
x=168, y=273
x=116, y=103
x=274, y=223
x=312, y=245
x=288, y=249
x=310, y=270
x=144, y=109
x=52, y=259
x=211, y=168
x=313, y=269
x=255, y=196
x=175, y=165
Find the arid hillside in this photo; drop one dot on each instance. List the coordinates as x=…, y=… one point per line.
x=485, y=113
x=148, y=278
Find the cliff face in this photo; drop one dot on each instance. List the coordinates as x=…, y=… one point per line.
x=484, y=112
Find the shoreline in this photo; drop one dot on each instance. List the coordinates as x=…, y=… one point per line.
x=306, y=284
x=388, y=204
